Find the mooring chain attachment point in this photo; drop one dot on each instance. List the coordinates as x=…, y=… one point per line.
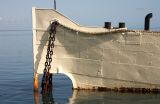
x=47, y=76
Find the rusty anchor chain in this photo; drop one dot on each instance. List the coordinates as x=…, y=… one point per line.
x=47, y=76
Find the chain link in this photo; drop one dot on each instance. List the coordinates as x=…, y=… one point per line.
x=47, y=76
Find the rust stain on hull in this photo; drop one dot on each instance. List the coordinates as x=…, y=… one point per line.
x=123, y=90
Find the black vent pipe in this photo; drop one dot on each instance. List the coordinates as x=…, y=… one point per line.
x=147, y=21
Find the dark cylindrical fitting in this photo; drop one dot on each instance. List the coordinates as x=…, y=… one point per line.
x=107, y=25
x=54, y=4
x=147, y=21
x=121, y=25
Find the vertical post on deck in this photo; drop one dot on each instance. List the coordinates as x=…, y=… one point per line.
x=54, y=4
x=35, y=82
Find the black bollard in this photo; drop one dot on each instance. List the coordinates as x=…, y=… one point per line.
x=107, y=25
x=147, y=21
x=121, y=25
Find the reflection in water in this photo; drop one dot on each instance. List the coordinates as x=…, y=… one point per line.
x=47, y=97
x=95, y=97
x=62, y=93
x=36, y=98
x=59, y=94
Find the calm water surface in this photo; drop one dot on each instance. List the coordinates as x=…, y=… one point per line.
x=16, y=79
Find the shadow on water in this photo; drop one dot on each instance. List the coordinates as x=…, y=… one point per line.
x=62, y=93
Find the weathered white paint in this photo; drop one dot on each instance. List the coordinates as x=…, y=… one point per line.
x=97, y=57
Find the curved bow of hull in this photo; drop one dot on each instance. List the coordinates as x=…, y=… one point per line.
x=96, y=58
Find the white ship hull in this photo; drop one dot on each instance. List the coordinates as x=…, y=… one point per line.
x=96, y=58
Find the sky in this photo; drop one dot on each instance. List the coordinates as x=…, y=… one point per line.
x=16, y=14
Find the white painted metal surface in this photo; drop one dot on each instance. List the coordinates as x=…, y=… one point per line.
x=97, y=57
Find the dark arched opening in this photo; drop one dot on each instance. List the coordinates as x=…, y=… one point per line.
x=61, y=90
